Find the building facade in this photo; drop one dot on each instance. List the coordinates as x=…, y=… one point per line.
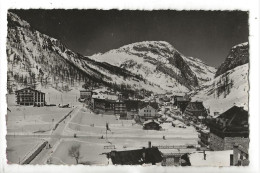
x=131, y=108
x=147, y=112
x=195, y=110
x=29, y=96
x=229, y=129
x=85, y=95
x=120, y=109
x=101, y=105
x=204, y=138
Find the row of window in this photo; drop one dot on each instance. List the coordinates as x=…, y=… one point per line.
x=119, y=109
x=147, y=110
x=117, y=105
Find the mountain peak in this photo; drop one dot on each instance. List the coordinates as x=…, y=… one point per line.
x=240, y=45
x=160, y=63
x=238, y=55
x=145, y=46
x=15, y=20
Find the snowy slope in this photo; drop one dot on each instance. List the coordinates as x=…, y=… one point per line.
x=37, y=60
x=203, y=71
x=230, y=86
x=228, y=89
x=161, y=64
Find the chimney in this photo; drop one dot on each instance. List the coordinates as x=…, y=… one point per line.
x=235, y=155
x=149, y=144
x=204, y=154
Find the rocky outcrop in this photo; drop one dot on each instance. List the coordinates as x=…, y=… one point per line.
x=237, y=56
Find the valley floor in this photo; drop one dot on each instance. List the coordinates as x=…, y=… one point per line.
x=28, y=127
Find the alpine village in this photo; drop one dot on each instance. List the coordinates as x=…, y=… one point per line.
x=153, y=107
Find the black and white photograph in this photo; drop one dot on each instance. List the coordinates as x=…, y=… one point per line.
x=164, y=88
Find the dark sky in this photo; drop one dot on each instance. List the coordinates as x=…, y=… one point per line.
x=207, y=35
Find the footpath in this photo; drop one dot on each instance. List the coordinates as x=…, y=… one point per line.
x=55, y=138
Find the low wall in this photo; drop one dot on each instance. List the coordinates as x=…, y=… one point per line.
x=57, y=124
x=216, y=142
x=34, y=153
x=231, y=141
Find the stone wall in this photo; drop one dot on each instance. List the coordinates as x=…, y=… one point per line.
x=217, y=143
x=231, y=141
x=34, y=153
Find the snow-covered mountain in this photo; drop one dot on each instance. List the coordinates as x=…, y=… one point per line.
x=231, y=85
x=161, y=64
x=203, y=71
x=237, y=56
x=37, y=60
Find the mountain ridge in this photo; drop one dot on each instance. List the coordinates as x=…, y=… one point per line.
x=160, y=56
x=37, y=59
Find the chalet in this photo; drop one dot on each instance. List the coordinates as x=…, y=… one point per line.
x=151, y=125
x=136, y=157
x=85, y=95
x=148, y=110
x=120, y=109
x=102, y=105
x=29, y=96
x=182, y=103
x=175, y=99
x=131, y=108
x=229, y=128
x=180, y=96
x=195, y=111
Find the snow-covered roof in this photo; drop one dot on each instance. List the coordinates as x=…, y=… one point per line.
x=169, y=119
x=205, y=131
x=177, y=122
x=29, y=88
x=213, y=158
x=105, y=96
x=239, y=45
x=177, y=151
x=149, y=121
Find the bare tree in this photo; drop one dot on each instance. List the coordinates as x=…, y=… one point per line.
x=74, y=152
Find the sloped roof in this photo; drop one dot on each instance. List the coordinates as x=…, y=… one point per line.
x=235, y=116
x=85, y=90
x=136, y=157
x=195, y=106
x=152, y=104
x=150, y=121
x=29, y=89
